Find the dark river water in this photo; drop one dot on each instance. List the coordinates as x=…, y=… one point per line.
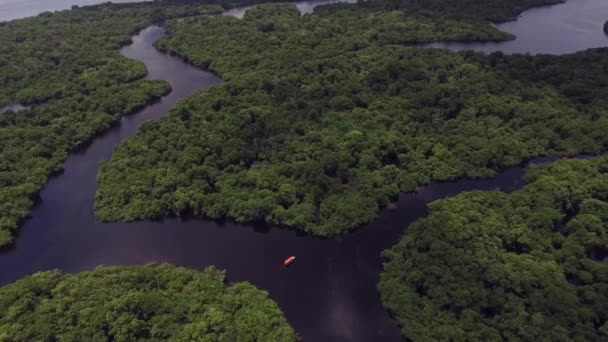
x=559, y=29
x=329, y=293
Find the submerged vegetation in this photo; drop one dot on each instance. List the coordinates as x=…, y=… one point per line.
x=324, y=119
x=491, y=266
x=153, y=303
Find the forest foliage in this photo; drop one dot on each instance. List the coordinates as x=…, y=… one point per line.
x=326, y=118
x=493, y=10
x=66, y=66
x=491, y=266
x=138, y=303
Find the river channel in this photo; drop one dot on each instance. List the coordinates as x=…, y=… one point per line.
x=330, y=292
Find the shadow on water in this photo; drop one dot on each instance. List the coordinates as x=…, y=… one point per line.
x=329, y=293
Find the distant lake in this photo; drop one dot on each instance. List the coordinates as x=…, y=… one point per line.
x=15, y=9
x=565, y=28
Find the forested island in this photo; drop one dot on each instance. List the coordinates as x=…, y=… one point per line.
x=129, y=303
x=324, y=119
x=491, y=266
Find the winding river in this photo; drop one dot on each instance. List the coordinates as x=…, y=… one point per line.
x=330, y=292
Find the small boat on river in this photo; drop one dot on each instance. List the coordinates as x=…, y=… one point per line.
x=289, y=260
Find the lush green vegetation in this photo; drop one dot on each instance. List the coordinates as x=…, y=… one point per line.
x=489, y=266
x=324, y=119
x=151, y=303
x=494, y=10
x=67, y=66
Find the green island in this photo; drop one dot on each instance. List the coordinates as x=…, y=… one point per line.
x=129, y=303
x=491, y=266
x=324, y=119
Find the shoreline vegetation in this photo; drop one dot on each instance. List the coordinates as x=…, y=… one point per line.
x=486, y=265
x=128, y=303
x=323, y=120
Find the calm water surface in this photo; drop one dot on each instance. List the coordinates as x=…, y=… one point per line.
x=15, y=107
x=559, y=29
x=330, y=292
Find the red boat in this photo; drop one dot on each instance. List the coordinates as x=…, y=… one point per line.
x=289, y=260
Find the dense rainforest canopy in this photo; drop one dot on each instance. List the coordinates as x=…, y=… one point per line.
x=491, y=266
x=151, y=303
x=323, y=119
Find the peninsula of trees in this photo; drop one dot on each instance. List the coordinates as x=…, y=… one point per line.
x=490, y=266
x=151, y=303
x=324, y=119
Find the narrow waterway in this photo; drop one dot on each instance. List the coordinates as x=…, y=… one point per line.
x=328, y=295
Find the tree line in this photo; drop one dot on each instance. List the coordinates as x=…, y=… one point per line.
x=324, y=119
x=137, y=303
